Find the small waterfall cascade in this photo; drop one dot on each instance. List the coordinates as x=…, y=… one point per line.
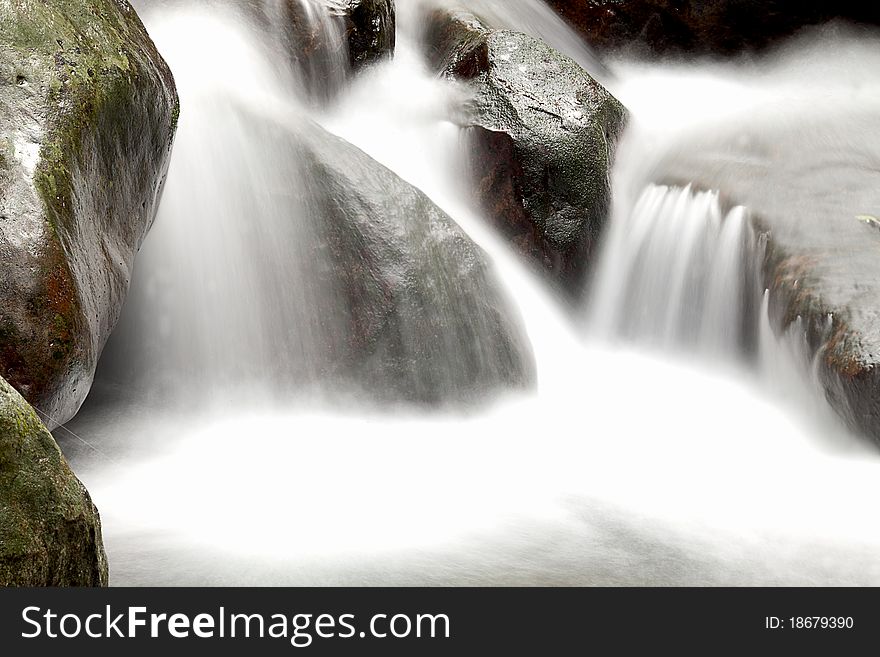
x=310, y=41
x=677, y=270
x=226, y=288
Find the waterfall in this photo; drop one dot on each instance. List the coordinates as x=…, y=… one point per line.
x=632, y=463
x=679, y=270
x=681, y=274
x=317, y=37
x=232, y=222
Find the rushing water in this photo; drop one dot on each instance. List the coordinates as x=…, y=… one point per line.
x=629, y=465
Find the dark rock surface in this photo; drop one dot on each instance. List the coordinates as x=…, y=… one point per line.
x=722, y=27
x=50, y=532
x=543, y=137
x=371, y=30
x=425, y=317
x=88, y=111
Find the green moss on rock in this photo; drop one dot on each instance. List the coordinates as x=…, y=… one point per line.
x=90, y=108
x=50, y=531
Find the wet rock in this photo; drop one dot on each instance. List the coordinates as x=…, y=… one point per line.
x=543, y=135
x=424, y=317
x=371, y=30
x=689, y=26
x=50, y=532
x=88, y=109
x=364, y=29
x=812, y=186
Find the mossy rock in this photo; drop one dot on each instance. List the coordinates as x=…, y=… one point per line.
x=89, y=110
x=50, y=531
x=543, y=136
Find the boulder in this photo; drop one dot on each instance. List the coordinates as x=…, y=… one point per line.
x=812, y=186
x=50, y=532
x=360, y=284
x=722, y=27
x=89, y=110
x=422, y=315
x=543, y=134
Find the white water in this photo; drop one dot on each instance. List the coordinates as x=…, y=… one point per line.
x=700, y=297
x=626, y=467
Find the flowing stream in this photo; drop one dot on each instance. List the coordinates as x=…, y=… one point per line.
x=673, y=439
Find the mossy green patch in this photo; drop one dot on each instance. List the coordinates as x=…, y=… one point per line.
x=50, y=532
x=88, y=52
x=101, y=102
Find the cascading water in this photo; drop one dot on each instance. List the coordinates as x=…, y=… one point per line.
x=702, y=296
x=198, y=279
x=626, y=467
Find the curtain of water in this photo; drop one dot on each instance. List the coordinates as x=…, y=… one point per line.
x=310, y=40
x=679, y=270
x=227, y=292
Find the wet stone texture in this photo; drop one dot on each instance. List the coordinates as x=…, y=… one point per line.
x=423, y=317
x=88, y=111
x=543, y=134
x=50, y=532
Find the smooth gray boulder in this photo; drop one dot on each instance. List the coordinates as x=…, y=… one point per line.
x=426, y=320
x=811, y=182
x=88, y=111
x=50, y=531
x=330, y=275
x=543, y=139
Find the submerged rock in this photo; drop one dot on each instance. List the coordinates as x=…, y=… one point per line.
x=324, y=41
x=50, y=532
x=690, y=26
x=422, y=314
x=88, y=112
x=543, y=138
